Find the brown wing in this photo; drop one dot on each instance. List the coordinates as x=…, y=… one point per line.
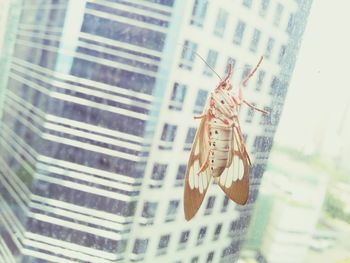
x=196, y=185
x=234, y=180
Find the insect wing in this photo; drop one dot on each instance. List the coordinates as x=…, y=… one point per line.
x=196, y=185
x=234, y=180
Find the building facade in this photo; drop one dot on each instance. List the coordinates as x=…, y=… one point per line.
x=298, y=192
x=97, y=125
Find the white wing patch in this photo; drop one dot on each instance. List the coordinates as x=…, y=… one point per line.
x=191, y=178
x=198, y=181
x=230, y=175
x=239, y=167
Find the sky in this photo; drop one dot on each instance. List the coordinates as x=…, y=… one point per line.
x=320, y=86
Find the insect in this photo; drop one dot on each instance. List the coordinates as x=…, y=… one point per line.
x=218, y=149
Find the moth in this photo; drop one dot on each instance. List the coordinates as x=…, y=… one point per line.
x=218, y=149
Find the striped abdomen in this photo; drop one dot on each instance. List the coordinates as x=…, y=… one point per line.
x=220, y=144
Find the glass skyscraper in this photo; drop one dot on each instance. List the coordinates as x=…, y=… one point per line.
x=97, y=102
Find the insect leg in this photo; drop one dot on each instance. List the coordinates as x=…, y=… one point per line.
x=205, y=164
x=255, y=108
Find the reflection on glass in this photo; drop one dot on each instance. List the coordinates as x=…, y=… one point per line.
x=96, y=116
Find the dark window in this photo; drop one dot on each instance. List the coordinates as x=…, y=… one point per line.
x=75, y=236
x=123, y=32
x=169, y=132
x=184, y=239
x=264, y=5
x=281, y=54
x=177, y=96
x=140, y=246
x=189, y=138
x=180, y=176
x=198, y=12
x=238, y=36
x=210, y=257
x=164, y=241
x=201, y=235
x=262, y=144
x=172, y=210
x=266, y=118
x=159, y=171
x=225, y=204
x=217, y=231
x=247, y=3
x=149, y=209
x=200, y=101
x=260, y=79
x=107, y=74
x=246, y=71
x=278, y=14
x=250, y=115
x=220, y=23
x=269, y=47
x=194, y=259
x=233, y=226
x=210, y=205
x=291, y=23
x=163, y=2
x=188, y=55
x=255, y=40
x=211, y=60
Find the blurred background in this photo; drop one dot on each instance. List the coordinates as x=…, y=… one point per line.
x=97, y=99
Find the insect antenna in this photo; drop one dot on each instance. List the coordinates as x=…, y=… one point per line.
x=244, y=82
x=201, y=59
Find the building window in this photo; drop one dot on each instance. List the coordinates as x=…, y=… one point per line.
x=180, y=175
x=264, y=5
x=250, y=115
x=281, y=54
x=198, y=12
x=210, y=205
x=189, y=138
x=233, y=227
x=183, y=239
x=247, y=3
x=278, y=14
x=260, y=80
x=163, y=244
x=168, y=136
x=172, y=210
x=220, y=23
x=140, y=246
x=148, y=212
x=188, y=55
x=211, y=60
x=255, y=40
x=177, y=96
x=274, y=86
x=195, y=259
x=269, y=47
x=238, y=36
x=246, y=71
x=291, y=23
x=262, y=144
x=158, y=173
x=232, y=61
x=200, y=101
x=266, y=118
x=225, y=204
x=201, y=235
x=210, y=257
x=217, y=231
